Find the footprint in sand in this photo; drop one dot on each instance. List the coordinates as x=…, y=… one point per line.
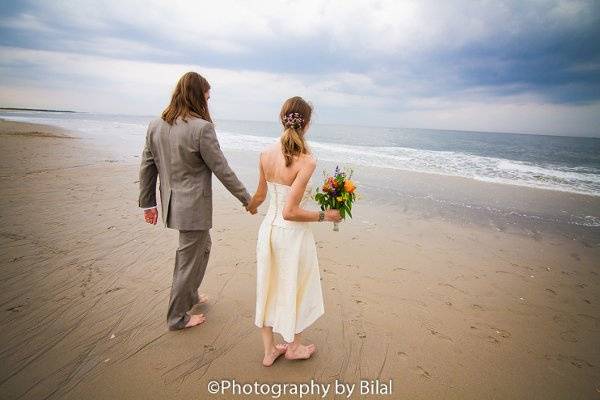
x=503, y=333
x=440, y=335
x=113, y=290
x=498, y=333
x=422, y=372
x=593, y=319
x=16, y=308
x=550, y=291
x=568, y=336
x=492, y=339
x=576, y=362
x=494, y=335
x=452, y=286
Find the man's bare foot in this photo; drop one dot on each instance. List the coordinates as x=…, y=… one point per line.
x=276, y=351
x=202, y=298
x=195, y=319
x=300, y=352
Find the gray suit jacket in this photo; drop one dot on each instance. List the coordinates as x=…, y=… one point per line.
x=185, y=156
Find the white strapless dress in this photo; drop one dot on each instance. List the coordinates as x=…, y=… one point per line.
x=288, y=283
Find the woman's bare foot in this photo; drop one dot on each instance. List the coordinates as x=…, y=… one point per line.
x=276, y=351
x=195, y=319
x=300, y=352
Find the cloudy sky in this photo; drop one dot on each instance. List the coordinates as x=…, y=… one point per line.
x=514, y=66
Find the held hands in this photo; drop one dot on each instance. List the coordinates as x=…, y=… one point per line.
x=333, y=215
x=151, y=216
x=252, y=206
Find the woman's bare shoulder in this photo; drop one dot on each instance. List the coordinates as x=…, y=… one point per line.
x=307, y=160
x=268, y=155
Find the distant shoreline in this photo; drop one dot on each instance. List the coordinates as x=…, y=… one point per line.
x=327, y=124
x=35, y=109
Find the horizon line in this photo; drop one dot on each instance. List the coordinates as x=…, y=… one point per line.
x=50, y=110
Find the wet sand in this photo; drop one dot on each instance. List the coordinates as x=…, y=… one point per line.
x=445, y=310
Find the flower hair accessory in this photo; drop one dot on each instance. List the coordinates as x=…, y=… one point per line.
x=293, y=120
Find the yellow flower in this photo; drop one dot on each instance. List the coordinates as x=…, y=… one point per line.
x=339, y=198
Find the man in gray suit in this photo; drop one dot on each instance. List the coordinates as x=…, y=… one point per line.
x=182, y=150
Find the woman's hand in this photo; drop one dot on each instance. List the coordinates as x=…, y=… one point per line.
x=251, y=210
x=252, y=205
x=333, y=215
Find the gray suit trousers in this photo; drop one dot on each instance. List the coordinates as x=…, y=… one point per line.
x=190, y=264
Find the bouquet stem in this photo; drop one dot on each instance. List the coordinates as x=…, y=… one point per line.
x=336, y=226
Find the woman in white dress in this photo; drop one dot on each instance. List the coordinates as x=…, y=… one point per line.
x=288, y=283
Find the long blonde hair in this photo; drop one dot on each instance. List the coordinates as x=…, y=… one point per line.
x=188, y=99
x=295, y=117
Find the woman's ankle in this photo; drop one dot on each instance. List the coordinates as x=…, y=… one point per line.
x=270, y=350
x=293, y=346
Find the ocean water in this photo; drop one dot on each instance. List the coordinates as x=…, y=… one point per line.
x=565, y=166
x=568, y=164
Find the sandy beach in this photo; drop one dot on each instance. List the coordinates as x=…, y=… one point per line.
x=441, y=308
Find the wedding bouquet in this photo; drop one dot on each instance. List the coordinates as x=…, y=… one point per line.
x=338, y=192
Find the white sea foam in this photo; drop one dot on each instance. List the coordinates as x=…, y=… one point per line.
x=489, y=169
x=128, y=138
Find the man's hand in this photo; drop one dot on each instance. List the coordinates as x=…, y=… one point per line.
x=151, y=216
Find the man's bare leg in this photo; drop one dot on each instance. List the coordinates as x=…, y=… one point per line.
x=202, y=298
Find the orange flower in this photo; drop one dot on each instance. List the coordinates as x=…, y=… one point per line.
x=349, y=186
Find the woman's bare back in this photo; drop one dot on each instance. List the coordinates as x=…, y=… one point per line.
x=273, y=165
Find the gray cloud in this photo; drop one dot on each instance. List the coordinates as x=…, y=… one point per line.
x=409, y=57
